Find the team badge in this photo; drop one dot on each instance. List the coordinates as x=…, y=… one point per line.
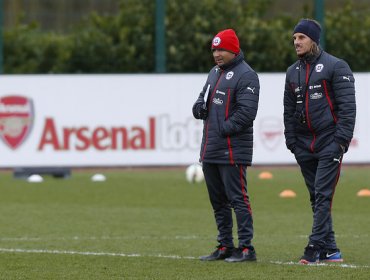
x=216, y=41
x=229, y=75
x=319, y=67
x=16, y=119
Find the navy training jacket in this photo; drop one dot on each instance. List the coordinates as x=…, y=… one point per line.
x=232, y=107
x=319, y=103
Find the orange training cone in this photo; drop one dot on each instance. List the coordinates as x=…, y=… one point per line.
x=363, y=192
x=287, y=194
x=265, y=175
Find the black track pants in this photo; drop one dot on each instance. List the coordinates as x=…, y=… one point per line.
x=321, y=173
x=227, y=189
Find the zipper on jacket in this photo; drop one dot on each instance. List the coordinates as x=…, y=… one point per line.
x=307, y=115
x=207, y=121
x=228, y=137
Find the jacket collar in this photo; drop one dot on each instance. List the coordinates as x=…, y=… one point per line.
x=311, y=58
x=235, y=61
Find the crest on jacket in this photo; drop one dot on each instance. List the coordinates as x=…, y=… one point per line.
x=319, y=67
x=229, y=75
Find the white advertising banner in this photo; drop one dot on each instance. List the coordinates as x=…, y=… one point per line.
x=135, y=120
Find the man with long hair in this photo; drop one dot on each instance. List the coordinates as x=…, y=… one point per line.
x=319, y=119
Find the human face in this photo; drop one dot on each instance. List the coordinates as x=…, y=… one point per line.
x=222, y=57
x=302, y=44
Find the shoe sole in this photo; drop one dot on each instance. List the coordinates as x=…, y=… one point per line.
x=307, y=262
x=248, y=260
x=211, y=260
x=205, y=259
x=338, y=260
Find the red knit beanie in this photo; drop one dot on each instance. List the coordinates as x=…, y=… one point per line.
x=226, y=40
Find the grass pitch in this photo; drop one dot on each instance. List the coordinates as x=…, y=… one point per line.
x=152, y=224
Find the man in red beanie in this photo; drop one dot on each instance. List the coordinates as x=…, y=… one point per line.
x=319, y=119
x=228, y=106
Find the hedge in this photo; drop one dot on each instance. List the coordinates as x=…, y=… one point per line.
x=125, y=42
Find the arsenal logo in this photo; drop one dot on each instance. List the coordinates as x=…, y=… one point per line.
x=271, y=132
x=16, y=119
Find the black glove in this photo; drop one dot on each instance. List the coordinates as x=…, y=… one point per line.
x=200, y=112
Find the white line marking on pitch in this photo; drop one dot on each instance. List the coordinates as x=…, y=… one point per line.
x=322, y=264
x=177, y=237
x=64, y=252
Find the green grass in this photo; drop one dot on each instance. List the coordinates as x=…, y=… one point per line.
x=154, y=225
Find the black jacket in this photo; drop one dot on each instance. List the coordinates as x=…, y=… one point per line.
x=232, y=107
x=319, y=103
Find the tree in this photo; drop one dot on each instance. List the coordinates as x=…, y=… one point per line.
x=125, y=42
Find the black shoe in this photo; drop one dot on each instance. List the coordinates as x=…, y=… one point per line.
x=220, y=253
x=331, y=255
x=246, y=254
x=311, y=254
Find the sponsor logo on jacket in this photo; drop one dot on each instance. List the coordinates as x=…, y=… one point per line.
x=218, y=101
x=346, y=78
x=251, y=89
x=314, y=86
x=220, y=92
x=316, y=95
